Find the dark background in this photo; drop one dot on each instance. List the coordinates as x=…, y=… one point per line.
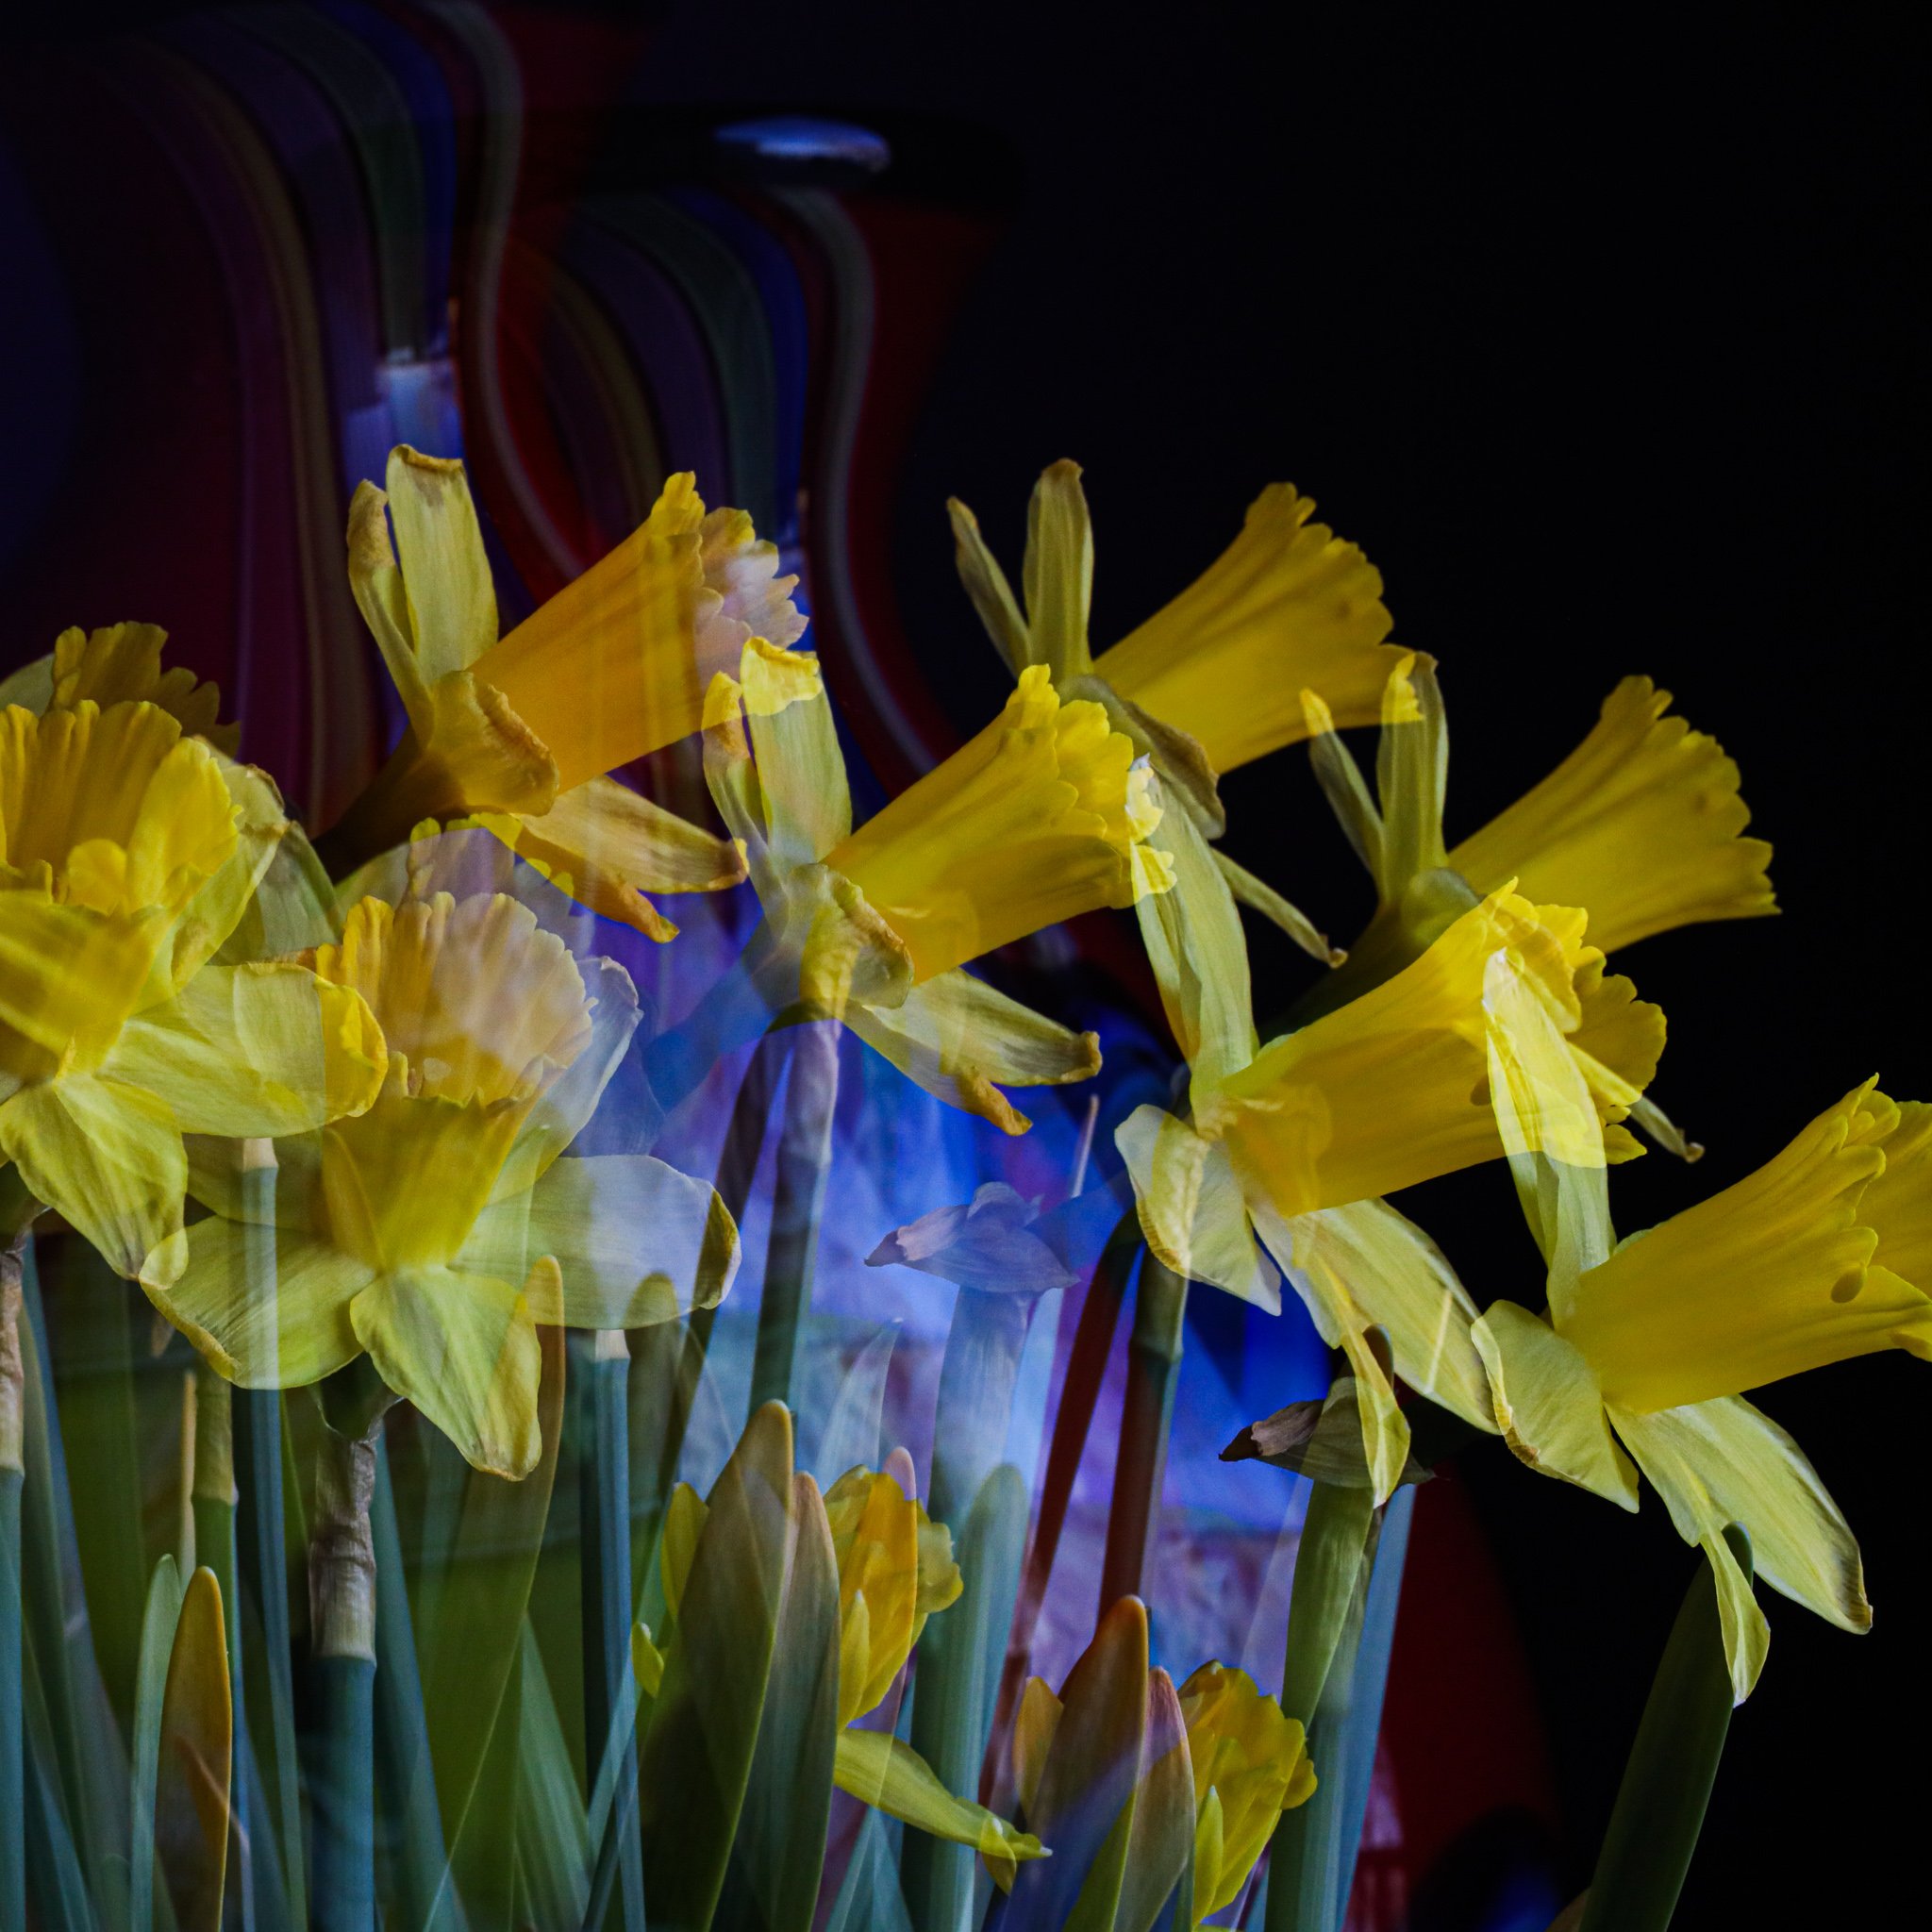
x=1593, y=331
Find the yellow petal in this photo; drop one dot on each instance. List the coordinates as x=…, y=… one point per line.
x=1404, y=1285
x=279, y=1326
x=1771, y=1276
x=122, y=663
x=1642, y=823
x=193, y=1789
x=987, y=586
x=1194, y=942
x=106, y=1156
x=1209, y=1854
x=881, y=1771
x=464, y=1349
x=956, y=1037
x=607, y=670
x=646, y=1661
x=1724, y=1461
x=1058, y=575
x=1190, y=1206
x=378, y=587
x=31, y=687
x=1258, y=895
x=1287, y=605
x=635, y=1241
x=452, y=602
x=1548, y=1404
x=892, y=1576
x=257, y=1050
x=1040, y=817
x=807, y=804
x=1411, y=772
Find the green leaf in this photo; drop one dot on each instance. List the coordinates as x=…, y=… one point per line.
x=697, y=1756
x=780, y=1849
x=195, y=1781
x=553, y=1840
x=1673, y=1764
x=870, y=1899
x=157, y=1623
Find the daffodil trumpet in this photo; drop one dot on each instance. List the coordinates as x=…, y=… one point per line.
x=1203, y=686
x=521, y=733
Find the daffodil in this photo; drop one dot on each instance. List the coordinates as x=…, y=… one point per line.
x=1650, y=1344
x=896, y=1570
x=121, y=664
x=129, y=854
x=1250, y=1764
x=1641, y=827
x=1208, y=682
x=521, y=732
x=1287, y=1148
x=437, y=1228
x=1044, y=815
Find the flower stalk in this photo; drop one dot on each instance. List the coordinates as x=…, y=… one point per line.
x=12, y=1474
x=1154, y=1360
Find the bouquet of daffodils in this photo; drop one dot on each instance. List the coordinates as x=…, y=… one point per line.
x=440, y=1637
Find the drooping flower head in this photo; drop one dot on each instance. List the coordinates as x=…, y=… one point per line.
x=1654, y=1341
x=1042, y=816
x=129, y=854
x=521, y=731
x=435, y=1231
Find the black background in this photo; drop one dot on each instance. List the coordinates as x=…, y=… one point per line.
x=1594, y=330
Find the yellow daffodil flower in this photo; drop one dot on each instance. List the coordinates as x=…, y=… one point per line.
x=1290, y=1146
x=121, y=664
x=1656, y=1338
x=1204, y=684
x=521, y=732
x=1250, y=1764
x=129, y=854
x=1044, y=815
x=437, y=1229
x=895, y=1569
x=1641, y=826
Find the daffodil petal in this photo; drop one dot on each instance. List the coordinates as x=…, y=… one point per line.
x=602, y=827
x=808, y=802
x=452, y=602
x=254, y=1051
x=634, y=1241
x=881, y=1771
x=106, y=1156
x=1191, y=1208
x=31, y=687
x=378, y=587
x=463, y=1348
x=280, y=1328
x=1725, y=1461
x=1548, y=1404
x=987, y=586
x=960, y=1039
x=1058, y=572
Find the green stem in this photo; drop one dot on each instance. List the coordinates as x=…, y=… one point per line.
x=1154, y=1358
x=805, y=1159
x=1673, y=1765
x=341, y=1599
x=12, y=1473
x=214, y=1500
x=981, y=1498
x=604, y=1475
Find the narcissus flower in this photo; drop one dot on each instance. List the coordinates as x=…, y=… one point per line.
x=895, y=1569
x=1289, y=1147
x=129, y=854
x=437, y=1229
x=522, y=732
x=121, y=664
x=1641, y=826
x=1250, y=1764
x=1044, y=815
x=1656, y=1338
x=1205, y=683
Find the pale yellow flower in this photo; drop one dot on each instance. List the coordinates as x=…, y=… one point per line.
x=129, y=855
x=440, y=1227
x=121, y=664
x=521, y=732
